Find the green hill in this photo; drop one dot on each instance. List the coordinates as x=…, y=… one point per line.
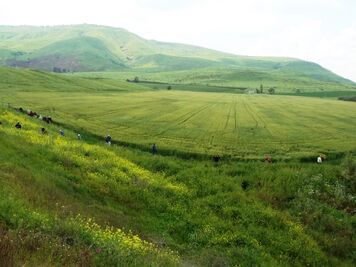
x=100, y=48
x=27, y=80
x=80, y=53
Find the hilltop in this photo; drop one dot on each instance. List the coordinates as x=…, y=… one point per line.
x=82, y=48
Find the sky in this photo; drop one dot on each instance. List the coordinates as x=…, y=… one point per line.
x=322, y=31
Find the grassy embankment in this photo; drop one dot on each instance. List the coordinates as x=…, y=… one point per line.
x=220, y=214
x=229, y=213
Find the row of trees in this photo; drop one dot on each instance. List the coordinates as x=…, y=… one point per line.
x=60, y=70
x=137, y=80
x=271, y=90
x=134, y=80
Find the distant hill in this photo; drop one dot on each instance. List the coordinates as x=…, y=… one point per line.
x=82, y=48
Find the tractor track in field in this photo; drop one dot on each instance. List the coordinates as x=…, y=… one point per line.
x=126, y=107
x=228, y=117
x=257, y=118
x=172, y=126
x=183, y=118
x=250, y=113
x=195, y=113
x=235, y=117
x=237, y=127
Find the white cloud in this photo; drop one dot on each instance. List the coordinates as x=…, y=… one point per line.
x=316, y=30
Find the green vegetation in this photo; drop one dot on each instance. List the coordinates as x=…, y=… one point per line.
x=74, y=202
x=348, y=98
x=98, y=48
x=215, y=214
x=242, y=126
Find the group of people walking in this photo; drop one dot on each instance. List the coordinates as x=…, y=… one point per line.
x=108, y=138
x=154, y=150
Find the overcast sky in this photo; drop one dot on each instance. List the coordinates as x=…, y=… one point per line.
x=323, y=31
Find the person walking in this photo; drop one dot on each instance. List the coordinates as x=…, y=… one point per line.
x=154, y=149
x=108, y=140
x=61, y=132
x=79, y=137
x=18, y=125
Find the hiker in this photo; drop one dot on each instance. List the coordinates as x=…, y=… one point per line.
x=79, y=136
x=268, y=159
x=319, y=160
x=216, y=158
x=61, y=132
x=154, y=149
x=43, y=131
x=47, y=119
x=108, y=140
x=18, y=125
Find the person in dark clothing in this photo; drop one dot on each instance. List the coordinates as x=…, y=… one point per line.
x=61, y=132
x=43, y=131
x=18, y=125
x=154, y=149
x=108, y=140
x=216, y=158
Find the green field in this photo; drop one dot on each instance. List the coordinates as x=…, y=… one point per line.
x=69, y=202
x=236, y=125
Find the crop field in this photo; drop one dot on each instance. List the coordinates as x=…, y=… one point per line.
x=239, y=125
x=70, y=202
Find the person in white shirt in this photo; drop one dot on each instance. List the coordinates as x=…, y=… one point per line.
x=319, y=160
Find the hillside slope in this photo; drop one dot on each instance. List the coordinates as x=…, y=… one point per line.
x=14, y=79
x=100, y=48
x=64, y=202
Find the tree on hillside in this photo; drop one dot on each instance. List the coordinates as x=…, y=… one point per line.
x=136, y=80
x=261, y=89
x=56, y=69
x=169, y=87
x=271, y=90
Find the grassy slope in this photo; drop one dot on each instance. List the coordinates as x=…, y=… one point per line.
x=80, y=53
x=289, y=214
x=12, y=80
x=49, y=181
x=105, y=48
x=286, y=213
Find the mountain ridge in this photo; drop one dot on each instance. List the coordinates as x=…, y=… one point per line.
x=88, y=47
